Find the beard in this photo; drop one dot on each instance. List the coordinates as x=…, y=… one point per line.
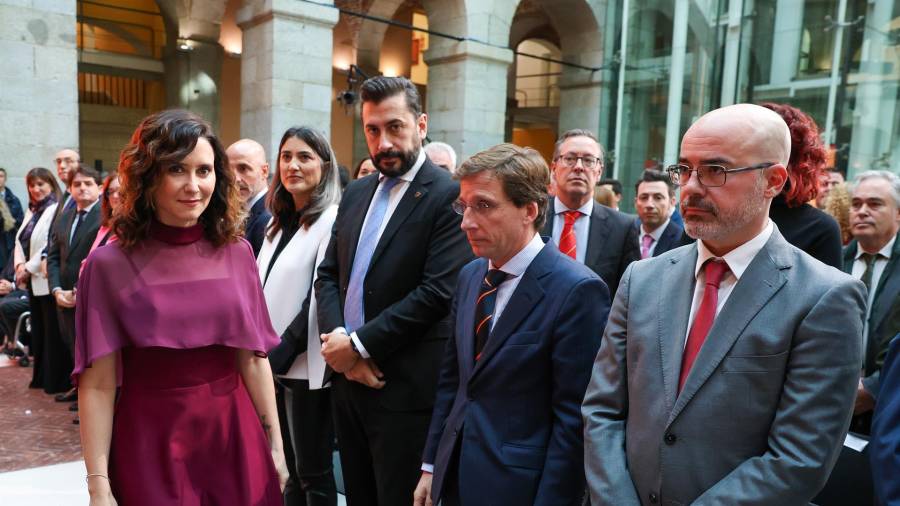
x=723, y=223
x=406, y=158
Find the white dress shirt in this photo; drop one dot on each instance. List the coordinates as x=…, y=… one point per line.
x=397, y=193
x=737, y=259
x=656, y=234
x=582, y=225
x=859, y=268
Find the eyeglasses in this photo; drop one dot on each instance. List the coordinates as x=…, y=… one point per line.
x=588, y=162
x=481, y=207
x=709, y=175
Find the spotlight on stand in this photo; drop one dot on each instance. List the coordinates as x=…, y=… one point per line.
x=349, y=97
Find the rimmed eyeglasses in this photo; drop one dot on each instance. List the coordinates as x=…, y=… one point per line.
x=710, y=175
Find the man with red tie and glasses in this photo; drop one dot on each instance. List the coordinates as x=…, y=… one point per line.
x=601, y=238
x=728, y=369
x=506, y=426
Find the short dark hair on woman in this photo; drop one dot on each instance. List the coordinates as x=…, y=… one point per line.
x=522, y=172
x=85, y=171
x=378, y=88
x=160, y=141
x=280, y=201
x=44, y=175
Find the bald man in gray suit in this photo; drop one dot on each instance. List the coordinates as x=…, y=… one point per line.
x=728, y=369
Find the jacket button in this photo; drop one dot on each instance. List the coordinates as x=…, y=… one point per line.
x=654, y=498
x=370, y=292
x=670, y=438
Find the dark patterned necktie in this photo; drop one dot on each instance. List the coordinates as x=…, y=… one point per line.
x=484, y=307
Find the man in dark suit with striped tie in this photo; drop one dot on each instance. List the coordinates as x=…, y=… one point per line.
x=506, y=427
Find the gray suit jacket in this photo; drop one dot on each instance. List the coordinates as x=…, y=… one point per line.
x=766, y=406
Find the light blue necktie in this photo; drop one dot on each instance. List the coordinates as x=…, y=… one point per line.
x=354, y=313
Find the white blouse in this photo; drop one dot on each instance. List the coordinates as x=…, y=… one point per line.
x=286, y=287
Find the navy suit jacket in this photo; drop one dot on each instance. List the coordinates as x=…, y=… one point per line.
x=257, y=219
x=672, y=237
x=884, y=449
x=519, y=405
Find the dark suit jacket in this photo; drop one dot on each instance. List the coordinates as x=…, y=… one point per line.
x=409, y=284
x=63, y=257
x=612, y=243
x=519, y=405
x=886, y=294
x=257, y=219
x=672, y=237
x=884, y=449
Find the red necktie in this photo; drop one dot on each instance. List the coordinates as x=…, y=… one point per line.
x=703, y=321
x=567, y=238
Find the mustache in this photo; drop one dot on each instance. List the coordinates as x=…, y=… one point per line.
x=699, y=203
x=387, y=154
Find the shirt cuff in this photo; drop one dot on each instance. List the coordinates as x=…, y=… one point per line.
x=359, y=347
x=428, y=468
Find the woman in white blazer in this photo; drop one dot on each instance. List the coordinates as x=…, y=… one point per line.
x=302, y=198
x=31, y=239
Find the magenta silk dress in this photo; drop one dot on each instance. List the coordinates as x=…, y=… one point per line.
x=185, y=431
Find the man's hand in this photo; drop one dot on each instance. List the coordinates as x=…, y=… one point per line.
x=65, y=298
x=6, y=287
x=366, y=372
x=422, y=495
x=864, y=400
x=338, y=351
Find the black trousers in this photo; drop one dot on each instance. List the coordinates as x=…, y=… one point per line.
x=12, y=306
x=37, y=338
x=307, y=415
x=57, y=359
x=381, y=450
x=65, y=316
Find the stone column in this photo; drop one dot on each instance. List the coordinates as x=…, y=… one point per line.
x=193, y=75
x=467, y=95
x=38, y=85
x=285, y=68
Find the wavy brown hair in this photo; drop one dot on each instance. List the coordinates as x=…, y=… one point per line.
x=160, y=141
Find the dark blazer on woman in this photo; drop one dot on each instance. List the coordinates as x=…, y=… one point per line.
x=810, y=229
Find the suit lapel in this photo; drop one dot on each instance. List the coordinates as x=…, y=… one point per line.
x=466, y=331
x=357, y=215
x=759, y=283
x=86, y=223
x=525, y=297
x=415, y=193
x=667, y=239
x=674, y=299
x=599, y=231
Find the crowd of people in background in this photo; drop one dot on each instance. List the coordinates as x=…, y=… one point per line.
x=483, y=331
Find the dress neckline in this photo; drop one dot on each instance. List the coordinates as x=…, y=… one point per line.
x=176, y=235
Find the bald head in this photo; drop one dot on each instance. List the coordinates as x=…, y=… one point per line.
x=750, y=130
x=247, y=159
x=66, y=160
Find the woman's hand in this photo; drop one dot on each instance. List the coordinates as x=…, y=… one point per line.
x=101, y=493
x=280, y=467
x=103, y=500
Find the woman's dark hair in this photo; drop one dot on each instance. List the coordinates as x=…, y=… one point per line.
x=328, y=192
x=807, y=159
x=160, y=141
x=45, y=176
x=106, y=210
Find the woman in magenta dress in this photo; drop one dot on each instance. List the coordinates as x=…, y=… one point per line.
x=173, y=313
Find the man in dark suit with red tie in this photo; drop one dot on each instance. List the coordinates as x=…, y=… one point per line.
x=383, y=293
x=506, y=427
x=603, y=239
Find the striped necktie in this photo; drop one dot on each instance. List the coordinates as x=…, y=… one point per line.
x=484, y=307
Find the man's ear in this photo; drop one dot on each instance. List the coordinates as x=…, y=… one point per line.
x=776, y=177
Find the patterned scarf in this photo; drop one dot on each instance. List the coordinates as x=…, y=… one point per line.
x=37, y=209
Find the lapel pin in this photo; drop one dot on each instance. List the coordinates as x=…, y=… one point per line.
x=418, y=194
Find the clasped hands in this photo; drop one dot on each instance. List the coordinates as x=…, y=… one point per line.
x=65, y=298
x=339, y=354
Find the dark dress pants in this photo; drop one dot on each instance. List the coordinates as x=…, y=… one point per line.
x=57, y=362
x=66, y=318
x=308, y=418
x=37, y=338
x=12, y=306
x=381, y=450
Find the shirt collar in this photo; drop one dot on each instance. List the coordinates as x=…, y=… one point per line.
x=88, y=208
x=517, y=265
x=656, y=234
x=739, y=258
x=586, y=209
x=885, y=251
x=256, y=198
